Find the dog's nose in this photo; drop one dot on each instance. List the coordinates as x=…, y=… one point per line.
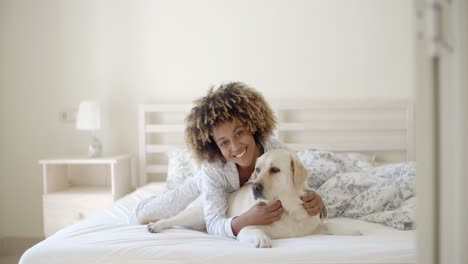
x=257, y=190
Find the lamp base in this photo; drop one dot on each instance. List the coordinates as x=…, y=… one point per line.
x=95, y=147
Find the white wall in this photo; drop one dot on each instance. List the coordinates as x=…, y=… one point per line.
x=55, y=53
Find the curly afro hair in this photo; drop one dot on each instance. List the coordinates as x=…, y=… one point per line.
x=232, y=102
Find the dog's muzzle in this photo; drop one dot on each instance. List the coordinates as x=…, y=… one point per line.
x=257, y=189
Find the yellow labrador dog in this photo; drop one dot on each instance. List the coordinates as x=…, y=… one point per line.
x=278, y=175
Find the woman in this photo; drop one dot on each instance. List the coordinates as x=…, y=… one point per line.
x=227, y=130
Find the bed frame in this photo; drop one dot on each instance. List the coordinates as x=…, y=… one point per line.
x=381, y=128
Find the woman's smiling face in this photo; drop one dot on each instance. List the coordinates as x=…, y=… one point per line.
x=236, y=143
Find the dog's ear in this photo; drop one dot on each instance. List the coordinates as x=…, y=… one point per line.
x=299, y=172
x=254, y=174
x=253, y=177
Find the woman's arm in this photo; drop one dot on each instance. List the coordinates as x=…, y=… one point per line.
x=259, y=214
x=216, y=193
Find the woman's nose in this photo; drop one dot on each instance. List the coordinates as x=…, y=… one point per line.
x=235, y=145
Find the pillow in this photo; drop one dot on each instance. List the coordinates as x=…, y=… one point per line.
x=180, y=167
x=322, y=165
x=357, y=161
x=394, y=170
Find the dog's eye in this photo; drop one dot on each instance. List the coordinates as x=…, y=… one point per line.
x=274, y=170
x=257, y=170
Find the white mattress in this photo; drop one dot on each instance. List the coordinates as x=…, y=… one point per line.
x=108, y=238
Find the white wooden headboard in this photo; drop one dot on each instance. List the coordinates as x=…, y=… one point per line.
x=383, y=128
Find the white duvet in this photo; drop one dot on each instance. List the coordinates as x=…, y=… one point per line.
x=108, y=238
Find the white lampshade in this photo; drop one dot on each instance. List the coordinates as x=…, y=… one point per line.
x=88, y=116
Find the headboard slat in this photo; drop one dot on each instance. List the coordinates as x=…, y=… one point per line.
x=156, y=169
x=353, y=146
x=162, y=148
x=165, y=128
x=344, y=125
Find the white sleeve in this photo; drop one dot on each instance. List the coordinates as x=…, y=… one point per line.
x=324, y=213
x=215, y=186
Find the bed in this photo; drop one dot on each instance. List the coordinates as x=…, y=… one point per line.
x=339, y=141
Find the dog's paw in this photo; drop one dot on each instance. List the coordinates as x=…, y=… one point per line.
x=255, y=238
x=262, y=241
x=356, y=233
x=155, y=227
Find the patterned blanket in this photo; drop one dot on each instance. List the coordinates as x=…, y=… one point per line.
x=352, y=186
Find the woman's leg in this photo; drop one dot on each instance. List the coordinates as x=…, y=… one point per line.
x=167, y=204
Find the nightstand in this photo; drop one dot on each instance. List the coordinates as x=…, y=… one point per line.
x=76, y=188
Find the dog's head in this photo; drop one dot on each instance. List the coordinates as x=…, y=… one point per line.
x=278, y=172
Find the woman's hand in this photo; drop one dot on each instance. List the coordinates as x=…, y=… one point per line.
x=263, y=214
x=259, y=214
x=313, y=203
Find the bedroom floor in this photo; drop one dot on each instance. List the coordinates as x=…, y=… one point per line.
x=9, y=259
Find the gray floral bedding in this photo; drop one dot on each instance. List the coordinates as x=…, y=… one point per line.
x=352, y=186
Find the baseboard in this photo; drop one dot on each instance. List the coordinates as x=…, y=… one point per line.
x=15, y=246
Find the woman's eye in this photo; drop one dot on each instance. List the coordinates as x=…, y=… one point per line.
x=223, y=144
x=240, y=133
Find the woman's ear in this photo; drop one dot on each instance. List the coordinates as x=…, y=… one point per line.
x=299, y=172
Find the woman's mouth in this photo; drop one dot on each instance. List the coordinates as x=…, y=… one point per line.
x=240, y=155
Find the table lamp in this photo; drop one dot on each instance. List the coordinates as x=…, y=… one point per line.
x=89, y=118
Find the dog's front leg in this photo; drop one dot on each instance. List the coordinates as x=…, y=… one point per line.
x=254, y=236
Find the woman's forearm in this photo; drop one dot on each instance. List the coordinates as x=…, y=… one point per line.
x=238, y=223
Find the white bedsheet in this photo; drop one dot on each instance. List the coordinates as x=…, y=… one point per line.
x=108, y=238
